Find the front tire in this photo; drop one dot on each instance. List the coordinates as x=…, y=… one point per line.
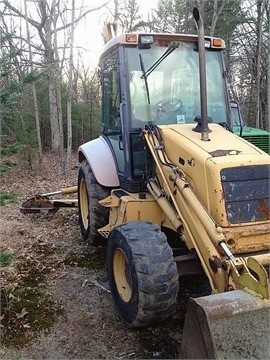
x=92, y=215
x=142, y=274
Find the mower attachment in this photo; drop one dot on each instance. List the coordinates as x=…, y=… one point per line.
x=38, y=203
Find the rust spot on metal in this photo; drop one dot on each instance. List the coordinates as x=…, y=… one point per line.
x=263, y=209
x=217, y=153
x=37, y=203
x=216, y=263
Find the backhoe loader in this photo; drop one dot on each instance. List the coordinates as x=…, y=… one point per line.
x=171, y=191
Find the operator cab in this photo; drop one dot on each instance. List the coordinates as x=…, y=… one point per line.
x=154, y=79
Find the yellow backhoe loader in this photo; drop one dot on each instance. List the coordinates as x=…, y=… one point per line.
x=171, y=191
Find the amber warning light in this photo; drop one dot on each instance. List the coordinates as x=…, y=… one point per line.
x=217, y=42
x=131, y=38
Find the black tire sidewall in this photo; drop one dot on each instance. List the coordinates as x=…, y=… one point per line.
x=98, y=214
x=85, y=232
x=152, y=269
x=127, y=310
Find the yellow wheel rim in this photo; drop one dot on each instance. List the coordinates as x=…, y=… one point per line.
x=122, y=275
x=84, y=208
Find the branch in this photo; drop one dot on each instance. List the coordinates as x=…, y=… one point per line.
x=40, y=25
x=216, y=14
x=82, y=15
x=16, y=11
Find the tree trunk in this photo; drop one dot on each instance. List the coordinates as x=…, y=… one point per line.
x=57, y=84
x=70, y=93
x=260, y=11
x=34, y=92
x=55, y=130
x=268, y=77
x=216, y=14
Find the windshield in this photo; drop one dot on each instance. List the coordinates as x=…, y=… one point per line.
x=174, y=86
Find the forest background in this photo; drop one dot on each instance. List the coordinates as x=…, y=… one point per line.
x=50, y=89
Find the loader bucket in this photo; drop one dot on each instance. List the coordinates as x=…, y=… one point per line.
x=231, y=325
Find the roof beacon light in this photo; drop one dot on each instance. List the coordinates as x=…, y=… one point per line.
x=146, y=39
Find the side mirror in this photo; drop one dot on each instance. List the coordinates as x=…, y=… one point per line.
x=237, y=118
x=236, y=115
x=120, y=142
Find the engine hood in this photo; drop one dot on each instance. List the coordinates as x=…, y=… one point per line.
x=204, y=164
x=221, y=141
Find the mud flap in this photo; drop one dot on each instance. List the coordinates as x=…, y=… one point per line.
x=231, y=325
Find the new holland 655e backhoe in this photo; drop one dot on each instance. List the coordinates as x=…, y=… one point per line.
x=171, y=191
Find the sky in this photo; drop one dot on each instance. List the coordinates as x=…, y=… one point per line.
x=88, y=41
x=88, y=36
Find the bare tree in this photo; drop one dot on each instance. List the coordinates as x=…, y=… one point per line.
x=70, y=92
x=125, y=17
x=259, y=24
x=48, y=30
x=33, y=86
x=216, y=8
x=55, y=88
x=216, y=13
x=268, y=72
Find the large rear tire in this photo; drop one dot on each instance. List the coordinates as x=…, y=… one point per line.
x=142, y=274
x=92, y=215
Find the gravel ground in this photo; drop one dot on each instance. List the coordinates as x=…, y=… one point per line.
x=55, y=298
x=78, y=319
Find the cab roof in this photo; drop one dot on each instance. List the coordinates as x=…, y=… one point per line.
x=160, y=39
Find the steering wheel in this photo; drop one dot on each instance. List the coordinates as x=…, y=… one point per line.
x=168, y=106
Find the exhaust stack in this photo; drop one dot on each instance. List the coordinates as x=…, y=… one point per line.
x=201, y=44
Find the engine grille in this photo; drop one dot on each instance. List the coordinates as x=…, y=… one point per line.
x=246, y=193
x=261, y=141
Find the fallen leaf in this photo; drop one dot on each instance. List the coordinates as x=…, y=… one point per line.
x=22, y=314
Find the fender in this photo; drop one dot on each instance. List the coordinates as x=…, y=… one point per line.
x=100, y=158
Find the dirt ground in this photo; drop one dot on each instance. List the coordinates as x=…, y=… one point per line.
x=55, y=299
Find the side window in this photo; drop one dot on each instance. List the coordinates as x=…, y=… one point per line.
x=111, y=100
x=111, y=106
x=142, y=159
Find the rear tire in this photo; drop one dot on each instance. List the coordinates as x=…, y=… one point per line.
x=92, y=215
x=142, y=274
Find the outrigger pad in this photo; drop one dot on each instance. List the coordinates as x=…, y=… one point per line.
x=231, y=325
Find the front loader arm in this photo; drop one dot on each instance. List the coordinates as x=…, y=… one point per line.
x=191, y=214
x=200, y=231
